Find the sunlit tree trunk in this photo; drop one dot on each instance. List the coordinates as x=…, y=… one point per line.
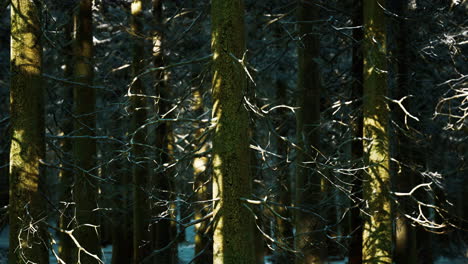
x=84, y=145
x=232, y=239
x=355, y=248
x=310, y=237
x=377, y=233
x=28, y=238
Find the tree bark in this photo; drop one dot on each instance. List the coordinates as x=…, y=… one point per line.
x=84, y=145
x=377, y=233
x=310, y=237
x=355, y=250
x=28, y=234
x=232, y=239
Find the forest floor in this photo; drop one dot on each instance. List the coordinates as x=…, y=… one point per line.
x=186, y=251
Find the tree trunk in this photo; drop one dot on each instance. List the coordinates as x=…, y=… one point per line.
x=66, y=246
x=28, y=234
x=232, y=239
x=285, y=227
x=377, y=233
x=164, y=229
x=355, y=248
x=141, y=208
x=84, y=146
x=310, y=237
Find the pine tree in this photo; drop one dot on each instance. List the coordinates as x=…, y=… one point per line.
x=377, y=233
x=28, y=239
x=232, y=239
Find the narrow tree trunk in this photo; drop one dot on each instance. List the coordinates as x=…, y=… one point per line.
x=405, y=178
x=377, y=233
x=232, y=239
x=203, y=242
x=28, y=234
x=355, y=249
x=164, y=230
x=84, y=146
x=285, y=226
x=66, y=246
x=141, y=235
x=310, y=237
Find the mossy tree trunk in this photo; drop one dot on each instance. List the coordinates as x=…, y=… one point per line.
x=84, y=145
x=28, y=238
x=164, y=230
x=310, y=237
x=232, y=239
x=140, y=173
x=377, y=233
x=355, y=249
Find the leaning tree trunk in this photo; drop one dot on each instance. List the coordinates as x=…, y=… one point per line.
x=84, y=145
x=28, y=238
x=377, y=233
x=310, y=237
x=232, y=239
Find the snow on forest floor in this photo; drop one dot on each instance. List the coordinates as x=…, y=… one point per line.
x=186, y=251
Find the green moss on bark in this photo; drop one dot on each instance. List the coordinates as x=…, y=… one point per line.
x=28, y=239
x=232, y=237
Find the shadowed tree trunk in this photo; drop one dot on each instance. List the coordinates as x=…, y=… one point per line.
x=141, y=208
x=66, y=246
x=28, y=239
x=165, y=230
x=232, y=239
x=310, y=237
x=84, y=146
x=377, y=233
x=355, y=249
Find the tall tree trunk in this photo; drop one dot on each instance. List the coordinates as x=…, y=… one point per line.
x=285, y=226
x=405, y=178
x=84, y=145
x=355, y=249
x=28, y=234
x=377, y=233
x=141, y=208
x=232, y=239
x=310, y=237
x=66, y=246
x=164, y=230
x=203, y=242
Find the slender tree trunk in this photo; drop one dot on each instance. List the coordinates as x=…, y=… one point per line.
x=203, y=242
x=355, y=249
x=377, y=233
x=232, y=239
x=28, y=238
x=285, y=226
x=141, y=208
x=310, y=237
x=66, y=246
x=84, y=146
x=405, y=178
x=164, y=230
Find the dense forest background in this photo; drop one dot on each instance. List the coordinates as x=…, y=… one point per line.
x=277, y=131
